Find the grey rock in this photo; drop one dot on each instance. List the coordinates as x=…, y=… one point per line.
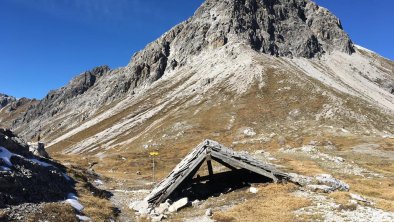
x=208, y=212
x=320, y=188
x=5, y=100
x=360, y=199
x=196, y=203
x=30, y=179
x=281, y=140
x=329, y=180
x=178, y=205
x=162, y=208
x=38, y=149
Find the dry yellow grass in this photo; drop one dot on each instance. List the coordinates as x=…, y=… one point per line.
x=96, y=208
x=272, y=203
x=340, y=197
x=303, y=166
x=261, y=109
x=379, y=190
x=54, y=212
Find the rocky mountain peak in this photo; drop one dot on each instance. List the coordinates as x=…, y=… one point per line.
x=298, y=28
x=287, y=28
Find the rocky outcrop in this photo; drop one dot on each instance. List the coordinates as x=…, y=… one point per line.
x=13, y=110
x=26, y=178
x=56, y=100
x=5, y=100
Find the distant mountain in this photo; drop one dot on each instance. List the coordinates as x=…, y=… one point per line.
x=277, y=66
x=5, y=100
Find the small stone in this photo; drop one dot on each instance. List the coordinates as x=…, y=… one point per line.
x=281, y=141
x=313, y=143
x=360, y=198
x=196, y=203
x=208, y=212
x=162, y=208
x=139, y=206
x=321, y=188
x=178, y=205
x=249, y=132
x=253, y=190
x=157, y=218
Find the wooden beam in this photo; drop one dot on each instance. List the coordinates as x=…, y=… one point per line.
x=224, y=163
x=237, y=163
x=208, y=157
x=210, y=170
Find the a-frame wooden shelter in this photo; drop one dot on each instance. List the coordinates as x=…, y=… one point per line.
x=206, y=152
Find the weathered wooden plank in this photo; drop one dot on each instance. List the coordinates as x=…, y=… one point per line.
x=178, y=175
x=241, y=164
x=224, y=164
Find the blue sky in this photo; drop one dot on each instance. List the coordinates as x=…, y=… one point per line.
x=44, y=43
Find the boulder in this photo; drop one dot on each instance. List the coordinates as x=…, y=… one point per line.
x=162, y=208
x=38, y=149
x=178, y=205
x=140, y=206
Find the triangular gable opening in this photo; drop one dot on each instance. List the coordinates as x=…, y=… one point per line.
x=204, y=187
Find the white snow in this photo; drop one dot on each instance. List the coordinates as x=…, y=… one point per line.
x=66, y=177
x=99, y=182
x=3, y=168
x=83, y=218
x=6, y=155
x=72, y=199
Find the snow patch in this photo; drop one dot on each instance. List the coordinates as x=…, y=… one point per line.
x=83, y=218
x=3, y=168
x=72, y=199
x=6, y=155
x=99, y=182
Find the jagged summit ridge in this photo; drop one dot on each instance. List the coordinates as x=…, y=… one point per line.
x=288, y=28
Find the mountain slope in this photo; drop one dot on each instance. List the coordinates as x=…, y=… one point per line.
x=270, y=27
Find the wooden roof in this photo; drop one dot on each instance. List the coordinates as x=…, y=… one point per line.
x=205, y=152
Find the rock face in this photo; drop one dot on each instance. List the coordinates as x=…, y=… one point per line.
x=25, y=178
x=289, y=28
x=56, y=100
x=5, y=100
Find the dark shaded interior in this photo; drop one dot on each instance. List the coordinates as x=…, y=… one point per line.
x=201, y=188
